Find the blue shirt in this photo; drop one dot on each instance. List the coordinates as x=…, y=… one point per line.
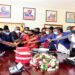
x=44, y=39
x=64, y=42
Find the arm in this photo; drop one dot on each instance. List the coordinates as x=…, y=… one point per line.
x=8, y=43
x=34, y=38
x=57, y=39
x=61, y=38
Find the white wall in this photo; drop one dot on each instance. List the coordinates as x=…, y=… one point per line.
x=41, y=7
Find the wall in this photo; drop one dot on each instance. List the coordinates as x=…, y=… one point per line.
x=10, y=24
x=17, y=14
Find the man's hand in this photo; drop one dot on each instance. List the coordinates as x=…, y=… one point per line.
x=49, y=40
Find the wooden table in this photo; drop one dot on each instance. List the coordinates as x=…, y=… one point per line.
x=5, y=62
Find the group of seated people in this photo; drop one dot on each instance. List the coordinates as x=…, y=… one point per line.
x=36, y=38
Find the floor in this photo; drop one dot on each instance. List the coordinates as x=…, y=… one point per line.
x=8, y=59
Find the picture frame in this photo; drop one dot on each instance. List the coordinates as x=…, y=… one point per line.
x=52, y=25
x=51, y=16
x=5, y=11
x=29, y=13
x=70, y=17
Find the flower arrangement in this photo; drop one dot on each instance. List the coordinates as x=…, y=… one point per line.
x=44, y=61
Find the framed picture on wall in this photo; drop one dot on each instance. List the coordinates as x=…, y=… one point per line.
x=5, y=11
x=70, y=17
x=29, y=13
x=51, y=16
x=53, y=25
